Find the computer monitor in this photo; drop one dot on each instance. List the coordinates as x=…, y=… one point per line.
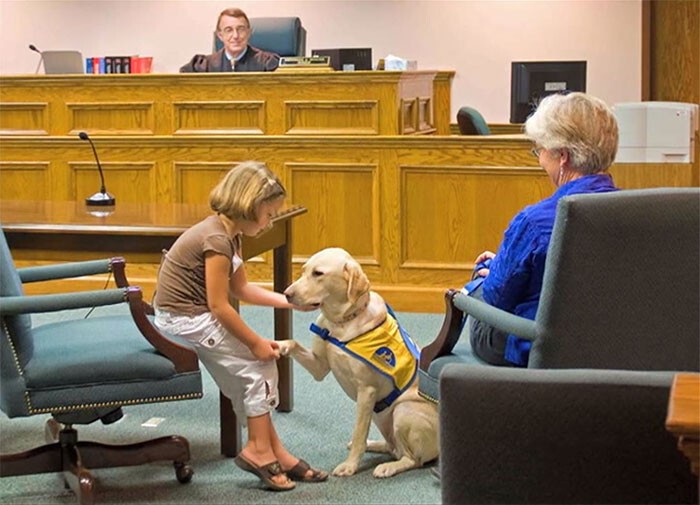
x=530, y=81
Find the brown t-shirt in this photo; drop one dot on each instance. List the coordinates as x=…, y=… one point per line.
x=181, y=287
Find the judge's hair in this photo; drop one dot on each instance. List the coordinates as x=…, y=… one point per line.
x=234, y=13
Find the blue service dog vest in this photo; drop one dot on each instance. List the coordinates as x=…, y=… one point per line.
x=388, y=349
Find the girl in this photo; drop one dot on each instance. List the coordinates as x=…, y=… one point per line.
x=195, y=279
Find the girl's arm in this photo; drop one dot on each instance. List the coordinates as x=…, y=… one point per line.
x=217, y=268
x=244, y=291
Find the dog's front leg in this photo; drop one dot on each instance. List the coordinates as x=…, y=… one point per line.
x=366, y=398
x=313, y=361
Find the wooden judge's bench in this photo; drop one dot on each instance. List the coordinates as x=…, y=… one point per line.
x=368, y=153
x=254, y=103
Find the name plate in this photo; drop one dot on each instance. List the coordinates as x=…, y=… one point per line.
x=305, y=62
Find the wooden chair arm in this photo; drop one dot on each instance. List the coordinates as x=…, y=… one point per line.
x=184, y=358
x=118, y=266
x=448, y=335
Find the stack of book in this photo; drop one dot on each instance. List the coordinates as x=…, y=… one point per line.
x=118, y=65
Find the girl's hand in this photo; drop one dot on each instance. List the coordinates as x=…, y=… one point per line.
x=303, y=308
x=266, y=350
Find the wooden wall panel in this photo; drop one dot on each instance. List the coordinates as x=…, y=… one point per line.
x=24, y=118
x=220, y=117
x=451, y=214
x=125, y=118
x=344, y=208
x=128, y=181
x=332, y=117
x=415, y=211
x=193, y=181
x=25, y=180
x=645, y=175
x=425, y=114
x=675, y=50
x=671, y=56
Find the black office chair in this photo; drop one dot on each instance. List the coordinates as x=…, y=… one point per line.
x=471, y=122
x=281, y=35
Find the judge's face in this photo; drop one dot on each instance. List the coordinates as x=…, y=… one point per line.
x=234, y=33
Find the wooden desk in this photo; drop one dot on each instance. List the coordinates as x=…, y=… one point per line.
x=238, y=103
x=683, y=419
x=70, y=231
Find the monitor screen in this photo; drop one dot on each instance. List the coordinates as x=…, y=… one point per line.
x=530, y=81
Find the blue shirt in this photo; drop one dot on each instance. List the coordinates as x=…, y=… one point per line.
x=515, y=276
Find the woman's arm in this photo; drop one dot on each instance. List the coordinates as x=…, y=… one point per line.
x=217, y=268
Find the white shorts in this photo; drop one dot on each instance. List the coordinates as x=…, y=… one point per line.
x=249, y=383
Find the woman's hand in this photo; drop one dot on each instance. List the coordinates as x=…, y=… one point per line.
x=266, y=350
x=483, y=258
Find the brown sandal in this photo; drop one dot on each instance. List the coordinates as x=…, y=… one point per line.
x=265, y=472
x=299, y=473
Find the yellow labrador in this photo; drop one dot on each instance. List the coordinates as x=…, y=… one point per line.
x=333, y=281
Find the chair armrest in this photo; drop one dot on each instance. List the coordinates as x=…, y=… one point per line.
x=457, y=306
x=520, y=326
x=559, y=436
x=183, y=357
x=75, y=269
x=448, y=335
x=13, y=305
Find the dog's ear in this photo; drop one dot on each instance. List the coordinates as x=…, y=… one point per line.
x=358, y=283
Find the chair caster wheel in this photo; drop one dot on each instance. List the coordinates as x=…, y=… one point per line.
x=183, y=473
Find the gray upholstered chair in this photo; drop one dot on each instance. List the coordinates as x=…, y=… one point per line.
x=471, y=122
x=79, y=371
x=282, y=35
x=559, y=436
x=621, y=291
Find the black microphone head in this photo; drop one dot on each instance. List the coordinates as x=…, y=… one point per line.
x=83, y=136
x=33, y=48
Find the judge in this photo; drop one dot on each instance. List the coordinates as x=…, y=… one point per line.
x=233, y=30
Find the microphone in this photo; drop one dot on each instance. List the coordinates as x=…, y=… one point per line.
x=102, y=197
x=33, y=48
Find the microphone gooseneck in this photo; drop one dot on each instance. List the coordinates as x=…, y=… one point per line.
x=33, y=48
x=102, y=197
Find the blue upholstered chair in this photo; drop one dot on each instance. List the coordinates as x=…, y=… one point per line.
x=282, y=35
x=471, y=122
x=79, y=371
x=619, y=314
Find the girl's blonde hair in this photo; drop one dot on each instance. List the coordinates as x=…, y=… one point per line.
x=241, y=191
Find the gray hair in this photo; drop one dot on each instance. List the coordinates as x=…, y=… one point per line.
x=580, y=124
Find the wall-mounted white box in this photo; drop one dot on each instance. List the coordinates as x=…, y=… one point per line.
x=656, y=132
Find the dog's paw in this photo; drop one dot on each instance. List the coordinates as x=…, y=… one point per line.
x=345, y=469
x=286, y=346
x=393, y=467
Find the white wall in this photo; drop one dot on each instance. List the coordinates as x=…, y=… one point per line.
x=476, y=38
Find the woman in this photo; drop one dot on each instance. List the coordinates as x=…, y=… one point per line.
x=575, y=140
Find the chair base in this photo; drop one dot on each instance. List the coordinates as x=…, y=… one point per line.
x=73, y=458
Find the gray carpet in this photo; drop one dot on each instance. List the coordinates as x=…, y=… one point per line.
x=318, y=430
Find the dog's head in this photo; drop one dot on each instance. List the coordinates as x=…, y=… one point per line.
x=331, y=279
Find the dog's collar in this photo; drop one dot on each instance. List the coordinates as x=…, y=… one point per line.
x=352, y=315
